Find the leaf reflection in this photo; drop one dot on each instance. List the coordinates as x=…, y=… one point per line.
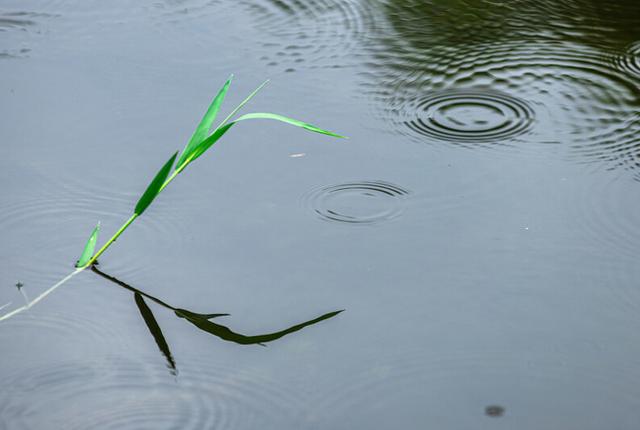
x=201, y=321
x=156, y=332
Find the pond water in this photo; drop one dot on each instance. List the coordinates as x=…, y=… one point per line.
x=480, y=227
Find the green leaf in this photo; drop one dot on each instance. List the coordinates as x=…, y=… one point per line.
x=291, y=121
x=209, y=141
x=89, y=247
x=205, y=144
x=154, y=187
x=203, y=128
x=218, y=133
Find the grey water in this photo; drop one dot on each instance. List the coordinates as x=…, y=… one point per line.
x=480, y=227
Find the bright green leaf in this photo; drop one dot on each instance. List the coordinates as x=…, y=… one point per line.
x=154, y=187
x=244, y=102
x=89, y=247
x=203, y=128
x=218, y=133
x=199, y=148
x=291, y=121
x=209, y=141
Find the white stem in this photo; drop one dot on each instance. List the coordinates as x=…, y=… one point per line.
x=24, y=295
x=41, y=296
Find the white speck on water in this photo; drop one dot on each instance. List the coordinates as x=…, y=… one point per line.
x=301, y=154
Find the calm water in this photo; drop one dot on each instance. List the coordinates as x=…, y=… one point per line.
x=481, y=226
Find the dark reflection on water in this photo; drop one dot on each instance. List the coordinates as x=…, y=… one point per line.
x=202, y=321
x=565, y=72
x=17, y=29
x=155, y=330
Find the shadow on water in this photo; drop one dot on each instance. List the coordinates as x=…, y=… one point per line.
x=201, y=321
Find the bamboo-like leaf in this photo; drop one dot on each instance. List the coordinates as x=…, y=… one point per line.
x=203, y=128
x=297, y=123
x=154, y=187
x=218, y=133
x=89, y=247
x=209, y=141
x=205, y=144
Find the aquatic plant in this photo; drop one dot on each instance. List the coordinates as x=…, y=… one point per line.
x=200, y=142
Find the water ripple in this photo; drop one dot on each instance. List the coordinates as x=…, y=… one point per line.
x=424, y=386
x=629, y=61
x=315, y=33
x=364, y=202
x=470, y=116
x=539, y=94
x=117, y=393
x=17, y=29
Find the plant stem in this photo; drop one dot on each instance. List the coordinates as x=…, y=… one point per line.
x=41, y=296
x=171, y=178
x=129, y=221
x=110, y=241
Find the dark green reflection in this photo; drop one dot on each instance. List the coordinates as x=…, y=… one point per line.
x=590, y=22
x=202, y=321
x=155, y=330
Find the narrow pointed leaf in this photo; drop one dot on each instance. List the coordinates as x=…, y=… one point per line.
x=288, y=120
x=89, y=247
x=244, y=102
x=205, y=125
x=205, y=144
x=154, y=187
x=209, y=141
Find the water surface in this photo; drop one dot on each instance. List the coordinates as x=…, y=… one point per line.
x=480, y=226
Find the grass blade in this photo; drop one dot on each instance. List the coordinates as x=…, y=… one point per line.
x=205, y=125
x=154, y=187
x=209, y=141
x=244, y=102
x=89, y=247
x=288, y=120
x=219, y=132
x=205, y=144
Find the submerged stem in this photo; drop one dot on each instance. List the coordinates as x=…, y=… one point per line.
x=42, y=296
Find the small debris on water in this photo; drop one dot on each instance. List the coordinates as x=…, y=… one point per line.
x=494, y=411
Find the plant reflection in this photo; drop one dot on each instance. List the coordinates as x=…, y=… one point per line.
x=202, y=321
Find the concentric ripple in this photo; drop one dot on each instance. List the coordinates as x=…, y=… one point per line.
x=313, y=34
x=422, y=387
x=17, y=28
x=629, y=62
x=115, y=394
x=553, y=93
x=366, y=202
x=471, y=116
